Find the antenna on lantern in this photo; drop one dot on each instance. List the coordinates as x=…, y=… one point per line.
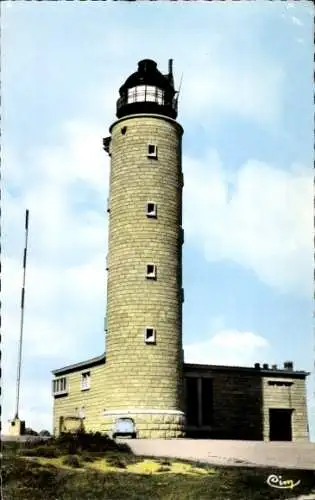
x=170, y=71
x=179, y=89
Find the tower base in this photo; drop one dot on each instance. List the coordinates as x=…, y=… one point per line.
x=148, y=423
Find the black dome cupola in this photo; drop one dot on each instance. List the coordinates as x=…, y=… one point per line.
x=148, y=91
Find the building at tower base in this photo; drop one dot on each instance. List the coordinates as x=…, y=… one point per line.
x=221, y=402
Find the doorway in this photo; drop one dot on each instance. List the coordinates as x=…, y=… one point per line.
x=280, y=424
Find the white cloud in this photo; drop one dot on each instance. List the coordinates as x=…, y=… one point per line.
x=260, y=217
x=297, y=21
x=228, y=347
x=248, y=89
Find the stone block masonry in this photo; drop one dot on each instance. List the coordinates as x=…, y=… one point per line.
x=90, y=401
x=140, y=375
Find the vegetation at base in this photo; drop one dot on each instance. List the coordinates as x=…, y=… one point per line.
x=45, y=433
x=66, y=444
x=30, y=432
x=72, y=461
x=97, y=468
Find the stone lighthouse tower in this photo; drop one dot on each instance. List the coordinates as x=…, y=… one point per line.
x=143, y=376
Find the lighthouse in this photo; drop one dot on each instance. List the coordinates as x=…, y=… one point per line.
x=143, y=373
x=140, y=385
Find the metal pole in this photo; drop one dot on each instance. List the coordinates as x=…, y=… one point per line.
x=22, y=320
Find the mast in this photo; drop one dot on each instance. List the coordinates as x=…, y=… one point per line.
x=22, y=320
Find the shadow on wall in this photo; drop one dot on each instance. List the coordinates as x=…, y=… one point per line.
x=230, y=406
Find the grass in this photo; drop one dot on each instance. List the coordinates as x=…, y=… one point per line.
x=94, y=468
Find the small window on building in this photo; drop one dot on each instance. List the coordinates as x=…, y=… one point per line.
x=152, y=151
x=151, y=209
x=151, y=271
x=81, y=412
x=150, y=335
x=60, y=386
x=85, y=381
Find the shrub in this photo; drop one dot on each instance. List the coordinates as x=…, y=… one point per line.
x=39, y=451
x=86, y=457
x=27, y=452
x=72, y=461
x=73, y=443
x=31, y=443
x=47, y=451
x=30, y=432
x=165, y=461
x=10, y=447
x=45, y=433
x=163, y=468
x=117, y=462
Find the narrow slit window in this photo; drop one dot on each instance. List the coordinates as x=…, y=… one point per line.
x=279, y=384
x=152, y=151
x=151, y=271
x=151, y=209
x=150, y=335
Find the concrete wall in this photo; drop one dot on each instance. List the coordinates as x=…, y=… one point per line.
x=241, y=403
x=237, y=406
x=140, y=376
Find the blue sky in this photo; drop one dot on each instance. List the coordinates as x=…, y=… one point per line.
x=246, y=108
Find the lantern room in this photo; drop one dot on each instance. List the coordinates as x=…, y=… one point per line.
x=148, y=91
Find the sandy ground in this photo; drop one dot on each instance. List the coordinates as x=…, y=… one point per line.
x=219, y=452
